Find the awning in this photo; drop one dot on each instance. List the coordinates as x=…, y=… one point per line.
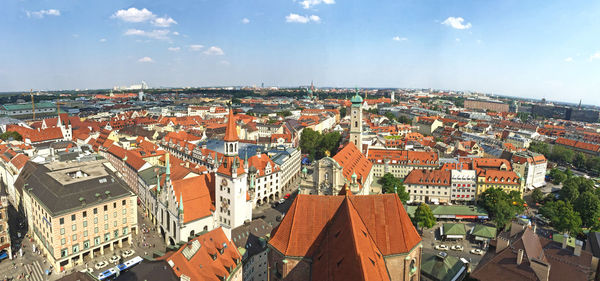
x=3, y=255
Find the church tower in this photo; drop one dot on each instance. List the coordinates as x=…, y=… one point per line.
x=356, y=121
x=232, y=204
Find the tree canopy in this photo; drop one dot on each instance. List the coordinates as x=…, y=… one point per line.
x=501, y=206
x=424, y=216
x=562, y=216
x=391, y=184
x=11, y=134
x=316, y=144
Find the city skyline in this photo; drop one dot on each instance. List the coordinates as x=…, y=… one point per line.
x=510, y=48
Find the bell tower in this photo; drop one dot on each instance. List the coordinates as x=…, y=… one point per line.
x=356, y=121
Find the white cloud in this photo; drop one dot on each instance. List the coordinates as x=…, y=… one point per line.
x=160, y=34
x=42, y=13
x=214, y=51
x=245, y=21
x=479, y=41
x=145, y=59
x=457, y=39
x=175, y=33
x=134, y=15
x=102, y=40
x=595, y=56
x=398, y=38
x=224, y=62
x=164, y=22
x=301, y=19
x=315, y=18
x=569, y=59
x=456, y=23
x=307, y=4
x=174, y=49
x=196, y=47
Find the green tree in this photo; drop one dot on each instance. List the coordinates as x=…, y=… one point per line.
x=329, y=142
x=562, y=216
x=540, y=147
x=501, y=206
x=568, y=193
x=391, y=184
x=309, y=141
x=11, y=134
x=588, y=206
x=405, y=120
x=424, y=217
x=557, y=176
x=537, y=195
x=342, y=111
x=284, y=113
x=390, y=116
x=561, y=154
x=579, y=160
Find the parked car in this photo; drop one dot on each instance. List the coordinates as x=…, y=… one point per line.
x=128, y=253
x=281, y=201
x=457, y=248
x=87, y=270
x=441, y=247
x=114, y=259
x=100, y=264
x=477, y=252
x=286, y=196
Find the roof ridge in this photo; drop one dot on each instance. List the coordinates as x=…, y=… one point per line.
x=295, y=205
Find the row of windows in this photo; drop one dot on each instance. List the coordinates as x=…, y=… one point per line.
x=86, y=244
x=85, y=224
x=84, y=213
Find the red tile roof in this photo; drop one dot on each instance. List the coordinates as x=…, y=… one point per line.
x=197, y=201
x=429, y=177
x=300, y=232
x=260, y=163
x=201, y=265
x=353, y=161
x=397, y=157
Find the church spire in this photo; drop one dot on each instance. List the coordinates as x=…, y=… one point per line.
x=231, y=130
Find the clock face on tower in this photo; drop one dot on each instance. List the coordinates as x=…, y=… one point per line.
x=224, y=182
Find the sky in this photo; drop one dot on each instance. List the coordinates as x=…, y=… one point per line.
x=535, y=49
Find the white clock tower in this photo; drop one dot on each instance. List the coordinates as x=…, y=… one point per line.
x=233, y=207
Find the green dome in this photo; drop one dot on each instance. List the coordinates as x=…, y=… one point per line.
x=356, y=99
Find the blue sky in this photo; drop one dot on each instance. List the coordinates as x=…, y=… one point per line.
x=535, y=49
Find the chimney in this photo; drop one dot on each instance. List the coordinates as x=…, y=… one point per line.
x=520, y=256
x=564, y=242
x=578, y=246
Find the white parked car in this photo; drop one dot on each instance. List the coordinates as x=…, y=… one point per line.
x=281, y=201
x=457, y=248
x=128, y=253
x=441, y=247
x=87, y=270
x=100, y=264
x=477, y=252
x=114, y=259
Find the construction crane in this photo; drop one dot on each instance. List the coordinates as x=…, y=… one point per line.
x=32, y=103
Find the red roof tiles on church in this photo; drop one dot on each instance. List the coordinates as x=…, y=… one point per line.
x=353, y=161
x=300, y=233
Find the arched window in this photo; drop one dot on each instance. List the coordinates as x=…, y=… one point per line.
x=230, y=147
x=355, y=123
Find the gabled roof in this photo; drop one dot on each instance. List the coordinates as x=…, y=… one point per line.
x=302, y=229
x=353, y=161
x=347, y=251
x=195, y=259
x=197, y=199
